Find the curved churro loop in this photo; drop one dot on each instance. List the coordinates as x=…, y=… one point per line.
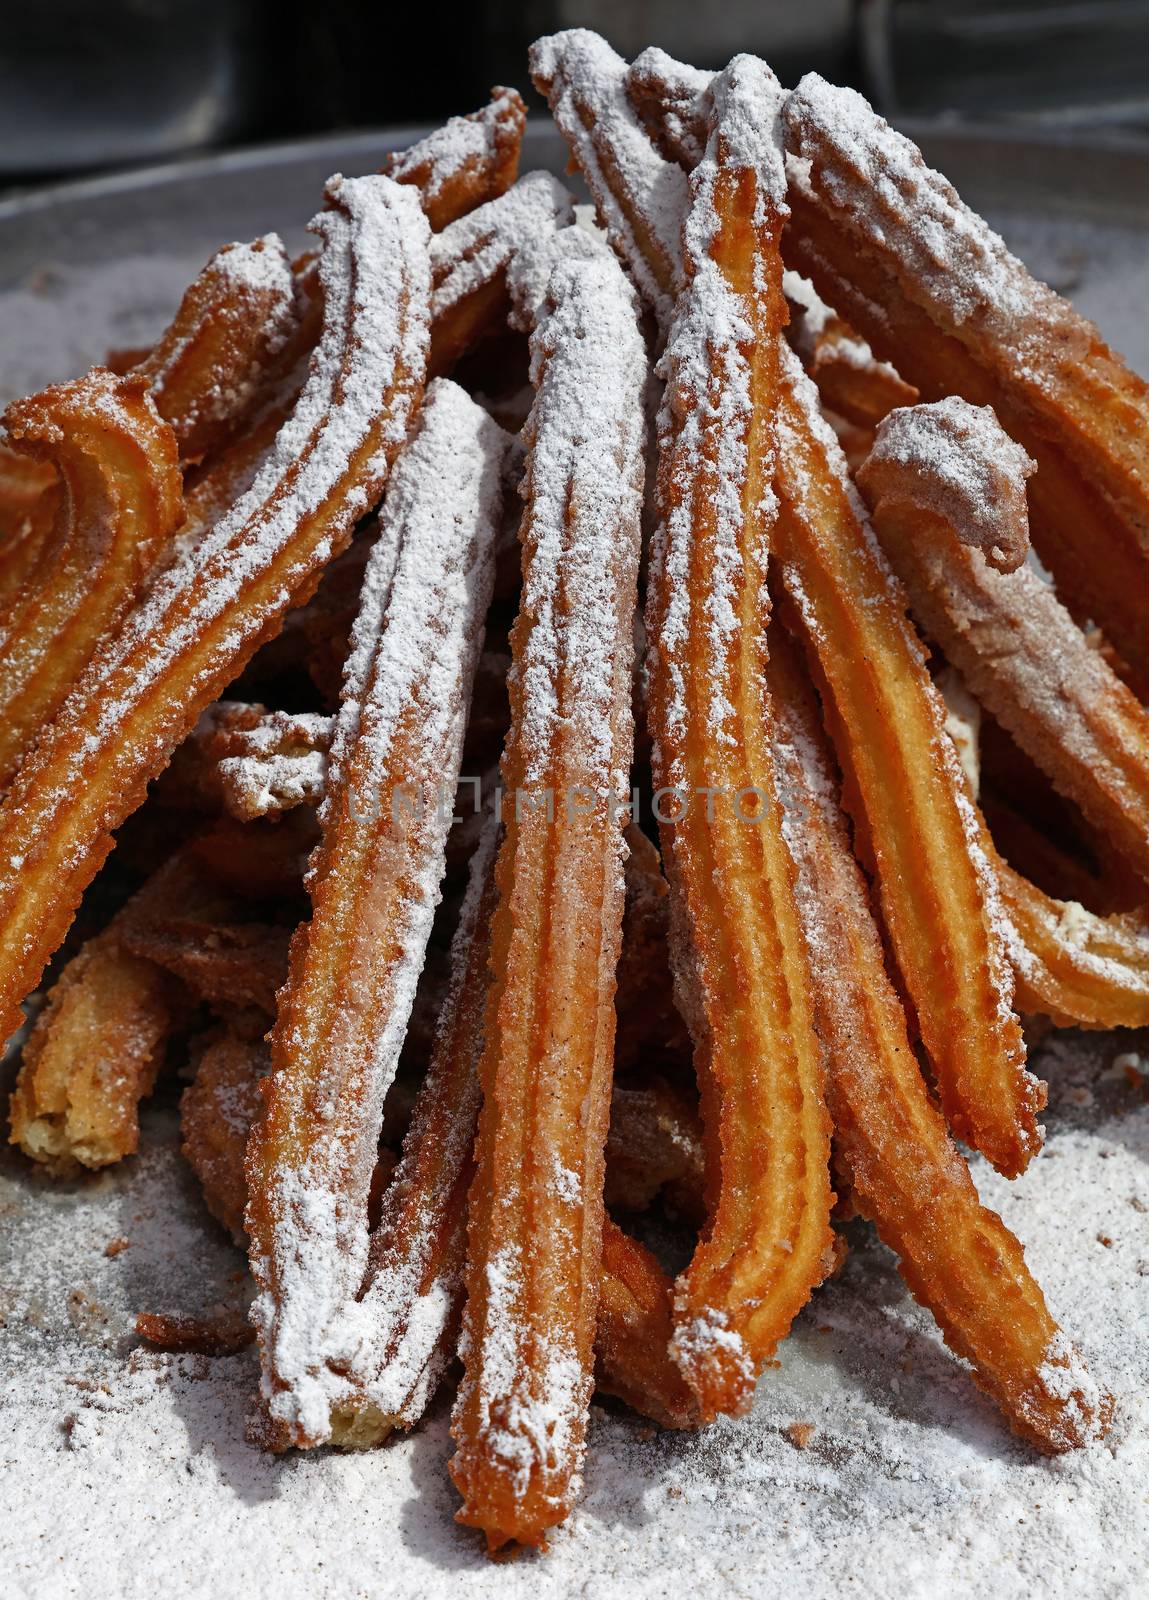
x=374, y=884
x=635, y=1327
x=904, y=789
x=958, y=1257
x=520, y=1418
x=1076, y=968
x=206, y=616
x=34, y=510
x=641, y=197
x=745, y=969
x=890, y=244
x=467, y=162
x=232, y=326
x=469, y=262
x=945, y=483
x=118, y=505
x=23, y=480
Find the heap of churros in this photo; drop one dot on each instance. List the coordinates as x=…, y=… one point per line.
x=775, y=429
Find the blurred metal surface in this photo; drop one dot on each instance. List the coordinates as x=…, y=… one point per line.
x=193, y=205
x=1061, y=62
x=86, y=85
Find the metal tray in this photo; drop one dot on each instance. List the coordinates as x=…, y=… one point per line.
x=123, y=1473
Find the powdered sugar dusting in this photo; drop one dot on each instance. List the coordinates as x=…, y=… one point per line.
x=413, y=654
x=473, y=250
x=533, y=261
x=278, y=763
x=641, y=197
x=1020, y=650
x=708, y=407
x=698, y=1343
x=405, y=1322
x=953, y=259
x=677, y=94
x=375, y=275
x=462, y=144
x=585, y=435
x=259, y=292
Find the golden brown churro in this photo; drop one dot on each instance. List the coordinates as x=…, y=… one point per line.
x=743, y=965
x=118, y=504
x=958, y=1258
x=520, y=1419
x=946, y=486
x=467, y=162
x=904, y=789
x=890, y=244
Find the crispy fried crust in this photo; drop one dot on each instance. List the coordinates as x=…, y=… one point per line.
x=216, y=1112
x=635, y=1327
x=413, y=1286
x=852, y=382
x=1079, y=969
x=28, y=494
x=118, y=505
x=905, y=791
x=520, y=1419
x=641, y=197
x=741, y=959
x=182, y=938
x=92, y=1055
x=958, y=1258
x=469, y=261
x=467, y=162
x=655, y=1147
x=414, y=1283
x=206, y=617
x=227, y=338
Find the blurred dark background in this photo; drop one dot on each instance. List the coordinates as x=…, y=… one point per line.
x=87, y=85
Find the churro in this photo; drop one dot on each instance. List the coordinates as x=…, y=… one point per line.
x=374, y=883
x=118, y=504
x=467, y=162
x=520, y=1418
x=743, y=968
x=946, y=487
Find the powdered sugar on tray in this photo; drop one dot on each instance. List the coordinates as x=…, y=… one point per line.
x=125, y=1467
